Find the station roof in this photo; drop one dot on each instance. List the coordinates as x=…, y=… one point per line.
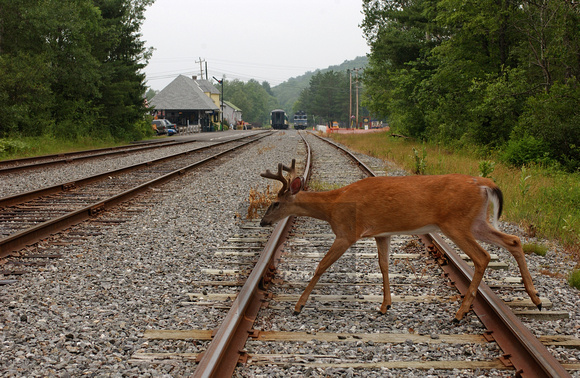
x=183, y=93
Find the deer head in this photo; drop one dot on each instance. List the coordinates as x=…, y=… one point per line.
x=282, y=207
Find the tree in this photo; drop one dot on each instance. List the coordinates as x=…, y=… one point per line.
x=252, y=98
x=73, y=68
x=486, y=72
x=326, y=97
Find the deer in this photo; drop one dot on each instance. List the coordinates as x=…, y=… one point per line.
x=379, y=207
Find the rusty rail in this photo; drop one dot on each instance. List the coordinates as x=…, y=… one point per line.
x=86, y=154
x=27, y=196
x=225, y=349
x=522, y=350
x=34, y=234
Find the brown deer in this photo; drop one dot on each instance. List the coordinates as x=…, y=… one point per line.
x=380, y=207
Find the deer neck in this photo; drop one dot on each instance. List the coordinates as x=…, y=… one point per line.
x=314, y=204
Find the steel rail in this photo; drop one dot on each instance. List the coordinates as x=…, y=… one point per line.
x=34, y=234
x=522, y=350
x=70, y=156
x=63, y=154
x=62, y=187
x=225, y=350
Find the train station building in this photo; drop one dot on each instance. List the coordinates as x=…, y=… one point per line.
x=188, y=101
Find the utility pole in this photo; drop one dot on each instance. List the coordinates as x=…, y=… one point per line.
x=200, y=61
x=222, y=101
x=349, y=99
x=356, y=83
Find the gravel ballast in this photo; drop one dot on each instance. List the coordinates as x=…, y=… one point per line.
x=85, y=314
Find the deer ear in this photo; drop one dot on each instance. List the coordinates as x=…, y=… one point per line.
x=296, y=185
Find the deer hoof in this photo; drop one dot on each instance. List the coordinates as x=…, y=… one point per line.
x=298, y=310
x=540, y=306
x=456, y=321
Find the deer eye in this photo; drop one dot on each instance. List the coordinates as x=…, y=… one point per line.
x=275, y=205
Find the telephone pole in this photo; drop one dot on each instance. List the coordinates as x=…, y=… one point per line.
x=349, y=99
x=200, y=61
x=356, y=84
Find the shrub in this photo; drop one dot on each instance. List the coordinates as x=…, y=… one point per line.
x=526, y=150
x=574, y=279
x=11, y=147
x=538, y=249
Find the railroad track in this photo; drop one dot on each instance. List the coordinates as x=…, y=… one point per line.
x=339, y=330
x=29, y=217
x=14, y=165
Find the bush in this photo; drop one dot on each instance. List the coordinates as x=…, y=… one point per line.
x=574, y=279
x=554, y=118
x=526, y=150
x=11, y=147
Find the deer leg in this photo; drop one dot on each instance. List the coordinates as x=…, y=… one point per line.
x=336, y=250
x=513, y=244
x=383, y=247
x=480, y=257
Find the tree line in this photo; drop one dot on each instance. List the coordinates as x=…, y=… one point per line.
x=502, y=74
x=72, y=69
x=254, y=99
x=331, y=96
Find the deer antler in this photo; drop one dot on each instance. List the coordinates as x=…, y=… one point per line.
x=291, y=170
x=278, y=176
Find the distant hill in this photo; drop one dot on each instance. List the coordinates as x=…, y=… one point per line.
x=288, y=92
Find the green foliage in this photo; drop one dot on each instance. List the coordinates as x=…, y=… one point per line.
x=538, y=249
x=574, y=279
x=420, y=161
x=252, y=98
x=491, y=73
x=524, y=185
x=289, y=91
x=524, y=150
x=71, y=68
x=12, y=146
x=326, y=98
x=486, y=168
x=554, y=119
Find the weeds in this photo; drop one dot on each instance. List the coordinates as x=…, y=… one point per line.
x=538, y=249
x=486, y=168
x=321, y=186
x=420, y=161
x=574, y=279
x=524, y=184
x=258, y=201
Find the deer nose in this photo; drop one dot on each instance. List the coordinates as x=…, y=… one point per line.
x=263, y=223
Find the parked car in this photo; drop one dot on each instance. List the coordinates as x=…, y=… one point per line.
x=162, y=126
x=159, y=126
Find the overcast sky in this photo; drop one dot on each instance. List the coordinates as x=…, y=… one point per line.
x=266, y=40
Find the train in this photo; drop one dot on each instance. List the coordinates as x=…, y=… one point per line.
x=279, y=119
x=300, y=120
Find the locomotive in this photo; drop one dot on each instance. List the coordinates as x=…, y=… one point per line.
x=279, y=119
x=300, y=120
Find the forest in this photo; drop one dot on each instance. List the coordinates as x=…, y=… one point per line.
x=70, y=69
x=500, y=74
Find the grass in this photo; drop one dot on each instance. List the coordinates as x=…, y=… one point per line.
x=574, y=279
x=538, y=249
x=545, y=202
x=38, y=146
